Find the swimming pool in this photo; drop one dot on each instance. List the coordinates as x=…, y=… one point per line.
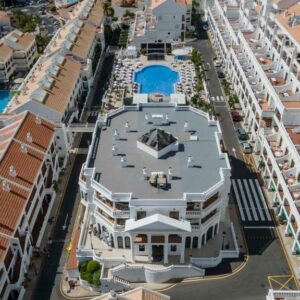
x=156, y=79
x=4, y=98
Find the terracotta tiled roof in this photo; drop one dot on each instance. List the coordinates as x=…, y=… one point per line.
x=284, y=19
x=62, y=88
x=96, y=13
x=27, y=166
x=41, y=133
x=25, y=39
x=84, y=41
x=5, y=53
x=11, y=207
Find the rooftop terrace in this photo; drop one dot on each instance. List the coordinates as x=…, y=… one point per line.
x=202, y=147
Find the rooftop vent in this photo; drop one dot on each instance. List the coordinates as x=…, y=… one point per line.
x=12, y=171
x=170, y=173
x=116, y=135
x=145, y=173
x=24, y=148
x=186, y=126
x=127, y=127
x=5, y=186
x=38, y=120
x=114, y=150
x=124, y=162
x=190, y=162
x=29, y=137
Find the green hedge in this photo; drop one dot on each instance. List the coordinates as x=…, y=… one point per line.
x=92, y=266
x=90, y=271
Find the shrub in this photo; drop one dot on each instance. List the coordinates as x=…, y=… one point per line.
x=92, y=266
x=87, y=276
x=82, y=266
x=96, y=278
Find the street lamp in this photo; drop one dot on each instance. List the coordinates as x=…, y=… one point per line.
x=223, y=239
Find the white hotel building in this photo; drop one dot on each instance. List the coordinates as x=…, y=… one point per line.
x=155, y=180
x=259, y=43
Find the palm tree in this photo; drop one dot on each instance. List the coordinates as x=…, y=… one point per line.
x=105, y=6
x=110, y=11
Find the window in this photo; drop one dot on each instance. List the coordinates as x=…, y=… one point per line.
x=141, y=248
x=173, y=248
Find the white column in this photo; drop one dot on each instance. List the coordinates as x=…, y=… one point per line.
x=132, y=248
x=149, y=248
x=182, y=249
x=166, y=249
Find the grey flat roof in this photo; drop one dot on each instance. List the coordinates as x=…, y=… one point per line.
x=130, y=179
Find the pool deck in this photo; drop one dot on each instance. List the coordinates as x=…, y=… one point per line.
x=117, y=90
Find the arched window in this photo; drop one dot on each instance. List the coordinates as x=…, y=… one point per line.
x=120, y=242
x=127, y=242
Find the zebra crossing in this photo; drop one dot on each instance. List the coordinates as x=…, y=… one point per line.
x=250, y=201
x=218, y=99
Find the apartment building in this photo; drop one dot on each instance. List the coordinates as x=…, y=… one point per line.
x=17, y=53
x=5, y=23
x=31, y=157
x=7, y=66
x=57, y=85
x=152, y=186
x=259, y=45
x=164, y=21
x=24, y=48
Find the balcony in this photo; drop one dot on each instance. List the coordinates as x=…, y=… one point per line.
x=209, y=216
x=264, y=61
x=296, y=195
x=115, y=223
x=266, y=106
x=193, y=213
x=106, y=205
x=277, y=81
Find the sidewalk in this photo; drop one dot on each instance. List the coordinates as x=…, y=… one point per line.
x=286, y=242
x=37, y=262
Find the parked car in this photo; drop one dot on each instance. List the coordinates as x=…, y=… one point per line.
x=236, y=117
x=221, y=74
x=242, y=134
x=205, y=27
x=246, y=147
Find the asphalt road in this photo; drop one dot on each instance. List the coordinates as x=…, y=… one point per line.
x=47, y=286
x=50, y=276
x=266, y=256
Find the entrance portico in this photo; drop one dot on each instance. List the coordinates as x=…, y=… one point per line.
x=157, y=236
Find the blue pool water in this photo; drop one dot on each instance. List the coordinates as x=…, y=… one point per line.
x=156, y=79
x=4, y=98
